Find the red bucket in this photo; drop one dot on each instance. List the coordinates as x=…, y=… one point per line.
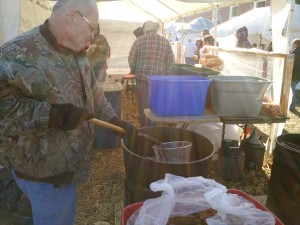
x=130, y=209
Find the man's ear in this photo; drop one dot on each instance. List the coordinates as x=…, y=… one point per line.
x=70, y=17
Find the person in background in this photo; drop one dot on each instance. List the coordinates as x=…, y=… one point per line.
x=209, y=58
x=138, y=32
x=295, y=49
x=242, y=38
x=98, y=53
x=47, y=96
x=207, y=40
x=150, y=54
x=189, y=52
x=199, y=45
x=204, y=33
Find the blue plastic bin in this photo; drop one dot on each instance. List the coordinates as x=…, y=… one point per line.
x=177, y=95
x=105, y=138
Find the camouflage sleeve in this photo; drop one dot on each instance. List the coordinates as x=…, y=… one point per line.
x=20, y=115
x=99, y=51
x=23, y=93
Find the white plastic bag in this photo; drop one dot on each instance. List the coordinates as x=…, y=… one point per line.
x=183, y=196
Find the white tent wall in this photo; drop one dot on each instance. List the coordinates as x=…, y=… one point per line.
x=120, y=37
x=17, y=16
x=280, y=10
x=9, y=19
x=259, y=22
x=33, y=14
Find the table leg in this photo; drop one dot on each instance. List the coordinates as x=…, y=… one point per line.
x=185, y=125
x=133, y=89
x=245, y=131
x=223, y=131
x=127, y=88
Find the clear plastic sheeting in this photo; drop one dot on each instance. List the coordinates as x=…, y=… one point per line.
x=253, y=65
x=273, y=66
x=183, y=196
x=254, y=62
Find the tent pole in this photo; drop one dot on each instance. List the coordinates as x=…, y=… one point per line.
x=216, y=24
x=289, y=25
x=181, y=43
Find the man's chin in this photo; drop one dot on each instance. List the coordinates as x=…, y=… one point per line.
x=85, y=48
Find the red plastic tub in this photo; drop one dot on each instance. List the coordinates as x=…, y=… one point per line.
x=130, y=209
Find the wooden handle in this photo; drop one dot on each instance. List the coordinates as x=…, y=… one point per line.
x=104, y=124
x=155, y=140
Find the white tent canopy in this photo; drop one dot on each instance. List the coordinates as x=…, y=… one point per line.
x=258, y=21
x=17, y=16
x=159, y=10
x=30, y=13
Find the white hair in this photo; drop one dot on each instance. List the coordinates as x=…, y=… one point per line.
x=72, y=4
x=150, y=25
x=296, y=42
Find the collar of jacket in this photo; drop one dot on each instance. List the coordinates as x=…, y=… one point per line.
x=44, y=29
x=150, y=32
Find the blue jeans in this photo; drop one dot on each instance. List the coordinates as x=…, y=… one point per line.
x=50, y=205
x=294, y=99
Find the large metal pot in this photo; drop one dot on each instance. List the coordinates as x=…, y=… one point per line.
x=142, y=169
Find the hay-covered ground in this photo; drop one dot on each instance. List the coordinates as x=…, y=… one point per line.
x=100, y=199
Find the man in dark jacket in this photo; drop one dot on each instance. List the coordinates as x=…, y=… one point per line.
x=296, y=70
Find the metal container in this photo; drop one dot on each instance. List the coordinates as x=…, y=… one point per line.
x=254, y=151
x=173, y=152
x=142, y=168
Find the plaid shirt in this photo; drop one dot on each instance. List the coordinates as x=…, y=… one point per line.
x=150, y=54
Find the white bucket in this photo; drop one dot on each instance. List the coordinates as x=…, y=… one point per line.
x=213, y=132
x=173, y=152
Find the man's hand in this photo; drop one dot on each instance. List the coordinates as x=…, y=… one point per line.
x=67, y=116
x=130, y=130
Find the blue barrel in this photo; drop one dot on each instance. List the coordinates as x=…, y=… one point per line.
x=105, y=138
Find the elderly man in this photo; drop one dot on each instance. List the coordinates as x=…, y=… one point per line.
x=150, y=54
x=47, y=97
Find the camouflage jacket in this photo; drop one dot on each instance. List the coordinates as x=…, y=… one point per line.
x=35, y=71
x=99, y=52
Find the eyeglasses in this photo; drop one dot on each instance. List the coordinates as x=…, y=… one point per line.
x=92, y=27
